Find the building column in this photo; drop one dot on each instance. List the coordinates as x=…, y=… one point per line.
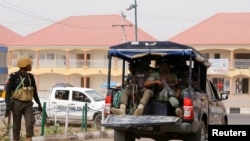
x=85, y=81
x=85, y=59
x=37, y=59
x=232, y=59
x=231, y=86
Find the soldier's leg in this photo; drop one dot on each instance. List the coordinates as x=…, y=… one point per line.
x=144, y=100
x=174, y=102
x=126, y=93
x=29, y=119
x=17, y=118
x=123, y=103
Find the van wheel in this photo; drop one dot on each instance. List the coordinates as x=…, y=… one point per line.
x=123, y=136
x=98, y=121
x=201, y=135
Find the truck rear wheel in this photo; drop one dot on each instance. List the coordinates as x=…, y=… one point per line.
x=123, y=136
x=201, y=135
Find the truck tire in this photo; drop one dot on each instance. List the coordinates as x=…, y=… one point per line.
x=123, y=136
x=201, y=135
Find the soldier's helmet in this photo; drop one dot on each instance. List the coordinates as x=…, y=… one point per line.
x=24, y=62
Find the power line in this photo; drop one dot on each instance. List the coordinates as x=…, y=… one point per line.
x=25, y=12
x=124, y=37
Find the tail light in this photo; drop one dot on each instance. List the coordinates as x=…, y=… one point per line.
x=107, y=106
x=188, y=109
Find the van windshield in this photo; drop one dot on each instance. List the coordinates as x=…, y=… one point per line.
x=96, y=96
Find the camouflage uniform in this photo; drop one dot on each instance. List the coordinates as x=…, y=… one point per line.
x=171, y=94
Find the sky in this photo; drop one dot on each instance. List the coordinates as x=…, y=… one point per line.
x=162, y=19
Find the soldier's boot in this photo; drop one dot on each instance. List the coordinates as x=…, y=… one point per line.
x=139, y=110
x=28, y=139
x=178, y=112
x=120, y=111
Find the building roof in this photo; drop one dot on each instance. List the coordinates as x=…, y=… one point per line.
x=220, y=29
x=7, y=36
x=91, y=30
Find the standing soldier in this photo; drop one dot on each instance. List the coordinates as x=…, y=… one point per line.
x=20, y=91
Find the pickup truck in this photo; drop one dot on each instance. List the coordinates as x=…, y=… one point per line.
x=71, y=100
x=201, y=106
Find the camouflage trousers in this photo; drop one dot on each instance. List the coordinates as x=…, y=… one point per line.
x=146, y=95
x=22, y=109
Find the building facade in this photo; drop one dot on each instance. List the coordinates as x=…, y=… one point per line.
x=69, y=54
x=85, y=67
x=230, y=67
x=224, y=39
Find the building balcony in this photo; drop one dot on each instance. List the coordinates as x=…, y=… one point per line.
x=74, y=66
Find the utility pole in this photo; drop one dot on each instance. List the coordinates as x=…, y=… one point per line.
x=123, y=27
x=134, y=6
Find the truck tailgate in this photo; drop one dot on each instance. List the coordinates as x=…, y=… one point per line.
x=131, y=120
x=146, y=124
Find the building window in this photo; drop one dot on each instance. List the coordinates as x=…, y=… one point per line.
x=216, y=56
x=41, y=56
x=50, y=56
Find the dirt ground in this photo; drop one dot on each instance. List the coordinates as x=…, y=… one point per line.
x=48, y=129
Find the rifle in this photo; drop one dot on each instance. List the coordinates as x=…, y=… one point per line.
x=166, y=86
x=166, y=92
x=7, y=125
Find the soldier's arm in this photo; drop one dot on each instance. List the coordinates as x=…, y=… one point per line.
x=153, y=79
x=33, y=84
x=9, y=89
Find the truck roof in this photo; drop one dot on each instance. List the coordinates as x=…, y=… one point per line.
x=133, y=50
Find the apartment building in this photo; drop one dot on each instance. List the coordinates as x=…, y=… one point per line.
x=74, y=50
x=224, y=39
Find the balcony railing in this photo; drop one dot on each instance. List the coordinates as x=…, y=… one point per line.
x=100, y=63
x=241, y=63
x=73, y=63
